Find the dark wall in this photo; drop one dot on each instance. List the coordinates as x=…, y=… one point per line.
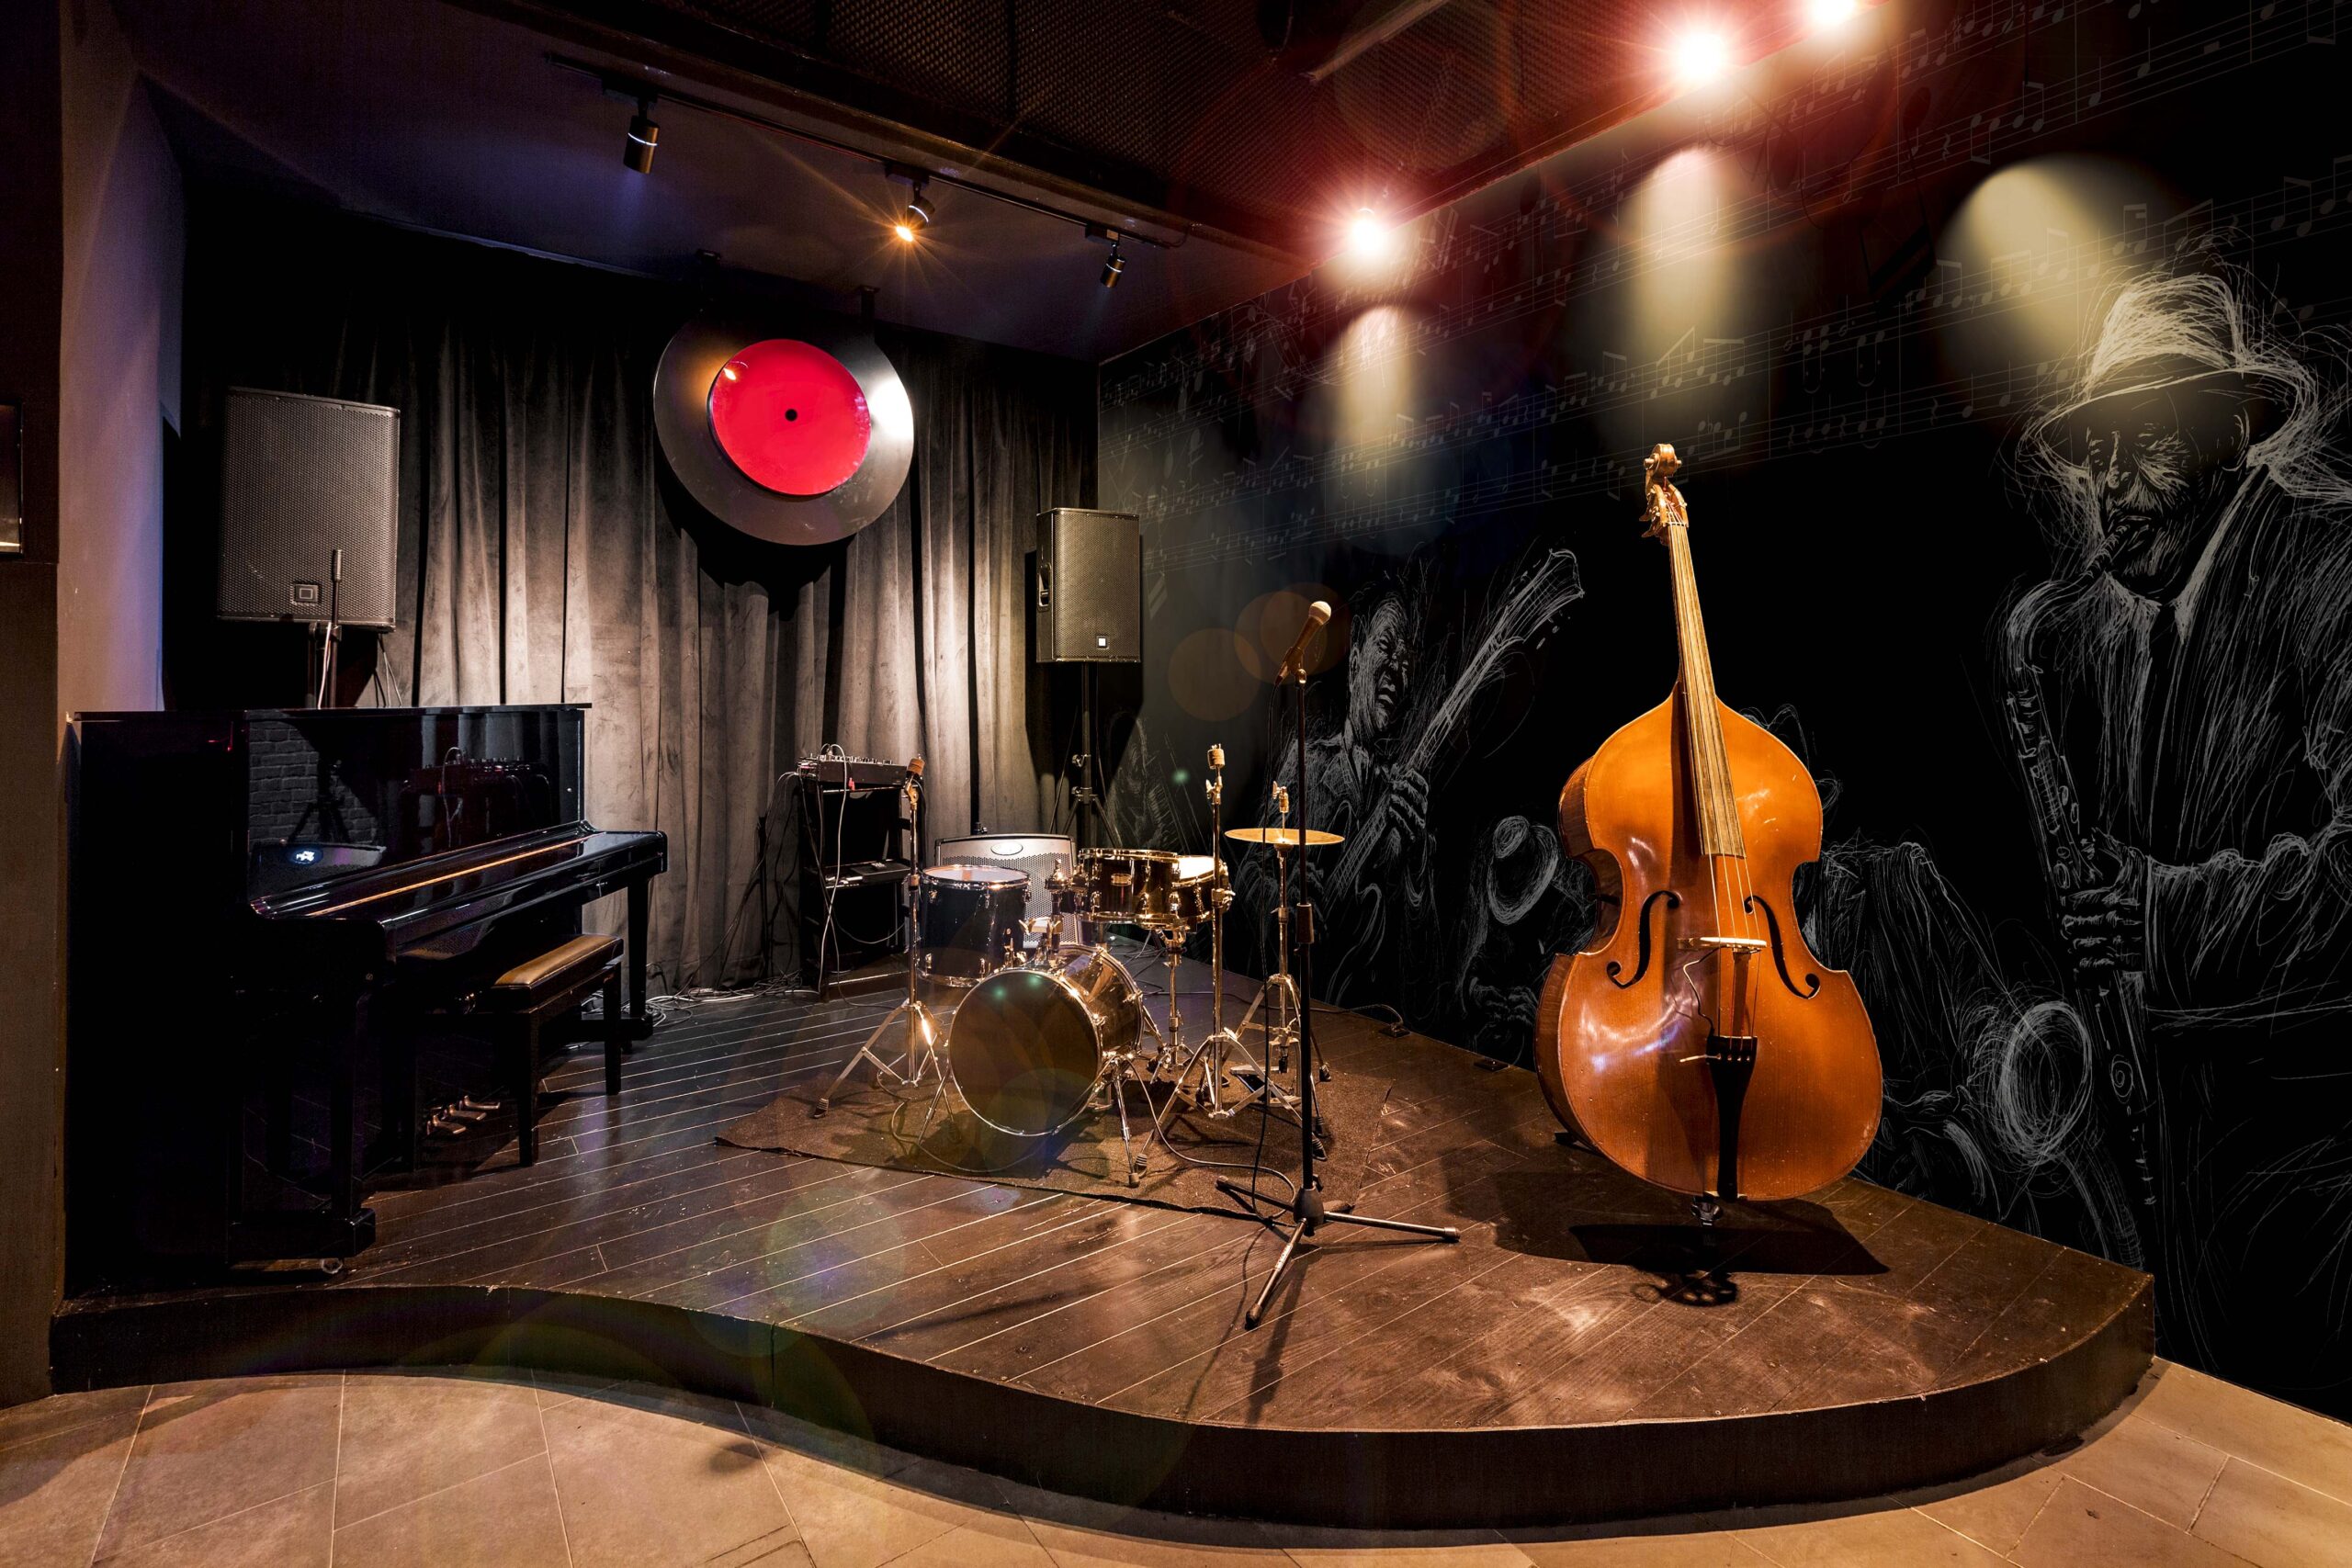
x=32, y=258
x=1895, y=297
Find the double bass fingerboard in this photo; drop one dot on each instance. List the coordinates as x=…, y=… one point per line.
x=1718, y=805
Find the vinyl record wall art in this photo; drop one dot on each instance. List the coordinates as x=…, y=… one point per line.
x=795, y=431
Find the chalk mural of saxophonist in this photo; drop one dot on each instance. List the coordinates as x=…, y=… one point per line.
x=2182, y=696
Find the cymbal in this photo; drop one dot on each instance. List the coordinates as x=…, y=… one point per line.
x=1285, y=838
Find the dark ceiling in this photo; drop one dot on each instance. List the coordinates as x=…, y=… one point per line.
x=1265, y=120
x=1236, y=134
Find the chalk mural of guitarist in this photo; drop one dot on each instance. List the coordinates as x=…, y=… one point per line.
x=1374, y=775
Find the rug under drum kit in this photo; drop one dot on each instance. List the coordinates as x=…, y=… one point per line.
x=929, y=1126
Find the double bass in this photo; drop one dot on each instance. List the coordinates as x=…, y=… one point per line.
x=1698, y=1042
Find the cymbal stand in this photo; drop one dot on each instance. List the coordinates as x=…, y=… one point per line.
x=1278, y=989
x=923, y=1027
x=1307, y=1212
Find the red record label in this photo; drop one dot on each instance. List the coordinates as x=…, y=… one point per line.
x=790, y=416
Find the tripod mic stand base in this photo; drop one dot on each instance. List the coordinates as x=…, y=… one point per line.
x=1309, y=1213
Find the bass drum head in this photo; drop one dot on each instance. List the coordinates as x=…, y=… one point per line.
x=1024, y=1051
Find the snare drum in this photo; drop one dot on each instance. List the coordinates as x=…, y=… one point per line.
x=968, y=920
x=1027, y=1044
x=1137, y=887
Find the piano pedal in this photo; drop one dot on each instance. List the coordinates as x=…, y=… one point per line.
x=481, y=1106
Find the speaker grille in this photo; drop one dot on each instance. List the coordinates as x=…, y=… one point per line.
x=302, y=478
x=1091, y=583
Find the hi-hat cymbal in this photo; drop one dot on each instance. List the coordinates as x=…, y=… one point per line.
x=1287, y=837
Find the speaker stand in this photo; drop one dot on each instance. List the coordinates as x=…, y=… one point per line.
x=330, y=637
x=1086, y=805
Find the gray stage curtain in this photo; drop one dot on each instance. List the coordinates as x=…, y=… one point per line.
x=547, y=555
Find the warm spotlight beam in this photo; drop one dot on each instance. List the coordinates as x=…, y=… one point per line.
x=1393, y=19
x=1825, y=14
x=1369, y=236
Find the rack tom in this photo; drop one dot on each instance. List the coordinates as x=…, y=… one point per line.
x=968, y=919
x=1137, y=887
x=1156, y=888
x=1196, y=888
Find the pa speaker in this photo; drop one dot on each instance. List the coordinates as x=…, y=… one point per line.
x=1089, y=603
x=307, y=485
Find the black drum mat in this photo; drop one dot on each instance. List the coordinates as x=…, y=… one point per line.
x=884, y=1125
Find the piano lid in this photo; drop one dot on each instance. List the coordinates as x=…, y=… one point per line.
x=330, y=794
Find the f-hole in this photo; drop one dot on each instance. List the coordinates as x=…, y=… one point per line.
x=1642, y=964
x=1780, y=954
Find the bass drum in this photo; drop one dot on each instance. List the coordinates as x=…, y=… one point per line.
x=1027, y=1044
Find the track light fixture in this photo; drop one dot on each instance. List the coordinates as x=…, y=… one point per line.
x=638, y=151
x=914, y=216
x=909, y=218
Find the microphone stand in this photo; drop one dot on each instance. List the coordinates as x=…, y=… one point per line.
x=1307, y=1212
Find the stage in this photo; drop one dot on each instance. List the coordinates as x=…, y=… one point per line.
x=1572, y=1358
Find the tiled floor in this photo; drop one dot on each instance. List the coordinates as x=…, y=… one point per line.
x=379, y=1469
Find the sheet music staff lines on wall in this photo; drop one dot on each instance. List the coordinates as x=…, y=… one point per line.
x=1824, y=424
x=2243, y=40
x=1809, y=348
x=1984, y=137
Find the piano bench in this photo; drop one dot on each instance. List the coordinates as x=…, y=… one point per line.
x=519, y=1002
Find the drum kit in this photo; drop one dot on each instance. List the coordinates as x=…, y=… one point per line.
x=1047, y=1030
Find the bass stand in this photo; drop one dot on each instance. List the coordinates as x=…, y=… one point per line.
x=1306, y=1212
x=923, y=1028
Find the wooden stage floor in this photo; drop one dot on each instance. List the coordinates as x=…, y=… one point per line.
x=1843, y=1346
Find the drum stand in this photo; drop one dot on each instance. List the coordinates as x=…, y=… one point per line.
x=1209, y=1056
x=922, y=1023
x=1119, y=1069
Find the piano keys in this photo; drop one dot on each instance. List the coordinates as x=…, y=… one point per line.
x=258, y=902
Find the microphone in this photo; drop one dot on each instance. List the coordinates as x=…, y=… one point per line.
x=1294, y=662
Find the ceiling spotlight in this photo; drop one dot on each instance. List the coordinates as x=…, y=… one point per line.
x=1369, y=235
x=1827, y=14
x=638, y=151
x=914, y=218
x=1116, y=265
x=1700, y=57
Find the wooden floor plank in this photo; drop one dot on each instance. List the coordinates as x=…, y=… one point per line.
x=1563, y=1304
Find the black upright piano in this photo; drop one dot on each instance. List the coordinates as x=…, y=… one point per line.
x=258, y=901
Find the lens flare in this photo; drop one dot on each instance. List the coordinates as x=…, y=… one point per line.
x=1701, y=56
